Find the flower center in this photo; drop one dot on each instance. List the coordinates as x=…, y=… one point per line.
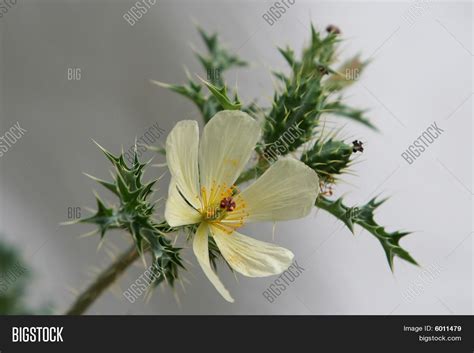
x=223, y=207
x=217, y=213
x=212, y=213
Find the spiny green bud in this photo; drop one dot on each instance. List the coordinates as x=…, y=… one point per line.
x=329, y=158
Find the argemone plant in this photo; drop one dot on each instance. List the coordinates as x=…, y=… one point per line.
x=202, y=192
x=282, y=156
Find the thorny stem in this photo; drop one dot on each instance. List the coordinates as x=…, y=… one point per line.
x=105, y=279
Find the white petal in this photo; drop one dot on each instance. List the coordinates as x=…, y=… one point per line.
x=251, y=257
x=178, y=212
x=226, y=146
x=201, y=250
x=287, y=190
x=182, y=146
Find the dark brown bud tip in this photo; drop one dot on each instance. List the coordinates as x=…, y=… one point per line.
x=357, y=146
x=322, y=70
x=333, y=29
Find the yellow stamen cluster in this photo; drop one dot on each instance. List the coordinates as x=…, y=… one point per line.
x=211, y=210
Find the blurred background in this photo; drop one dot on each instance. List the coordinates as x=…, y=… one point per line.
x=420, y=73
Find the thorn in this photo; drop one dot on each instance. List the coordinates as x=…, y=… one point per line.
x=160, y=84
x=99, y=246
x=148, y=294
x=90, y=176
x=186, y=71
x=143, y=260
x=159, y=165
x=101, y=148
x=88, y=209
x=152, y=158
x=182, y=285
x=68, y=223
x=206, y=82
x=89, y=234
x=176, y=297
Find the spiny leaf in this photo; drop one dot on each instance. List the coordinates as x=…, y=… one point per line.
x=221, y=95
x=105, y=218
x=217, y=60
x=218, y=57
x=364, y=216
x=207, y=105
x=191, y=91
x=289, y=55
x=110, y=186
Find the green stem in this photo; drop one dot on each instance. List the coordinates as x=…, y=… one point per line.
x=105, y=279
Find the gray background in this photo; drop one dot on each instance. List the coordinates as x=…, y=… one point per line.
x=421, y=73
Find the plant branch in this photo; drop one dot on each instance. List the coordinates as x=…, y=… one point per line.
x=105, y=279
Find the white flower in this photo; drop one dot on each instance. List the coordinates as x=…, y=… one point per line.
x=202, y=192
